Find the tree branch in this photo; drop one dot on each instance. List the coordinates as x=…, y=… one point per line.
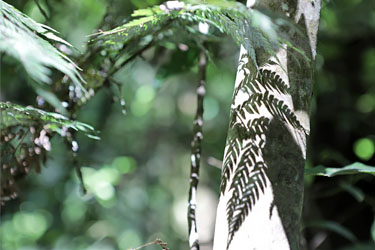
x=159, y=242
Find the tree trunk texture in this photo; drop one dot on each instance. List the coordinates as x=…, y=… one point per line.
x=263, y=168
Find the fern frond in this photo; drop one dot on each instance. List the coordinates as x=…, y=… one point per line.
x=16, y=115
x=28, y=42
x=248, y=27
x=25, y=140
x=146, y=22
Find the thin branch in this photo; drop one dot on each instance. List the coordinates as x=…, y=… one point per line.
x=159, y=242
x=196, y=153
x=79, y=173
x=42, y=10
x=132, y=57
x=73, y=147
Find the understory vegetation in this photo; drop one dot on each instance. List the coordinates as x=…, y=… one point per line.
x=107, y=105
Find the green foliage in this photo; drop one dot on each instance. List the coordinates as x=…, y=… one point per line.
x=252, y=29
x=16, y=115
x=25, y=140
x=153, y=193
x=25, y=131
x=28, y=41
x=354, y=168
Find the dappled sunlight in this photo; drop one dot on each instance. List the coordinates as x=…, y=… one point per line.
x=96, y=139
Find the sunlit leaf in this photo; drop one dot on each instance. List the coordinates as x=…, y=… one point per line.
x=355, y=168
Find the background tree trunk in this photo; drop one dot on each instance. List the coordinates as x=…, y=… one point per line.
x=263, y=167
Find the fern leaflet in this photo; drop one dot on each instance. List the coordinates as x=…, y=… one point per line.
x=28, y=42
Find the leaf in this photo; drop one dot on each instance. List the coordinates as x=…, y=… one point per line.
x=354, y=168
x=334, y=227
x=28, y=41
x=13, y=115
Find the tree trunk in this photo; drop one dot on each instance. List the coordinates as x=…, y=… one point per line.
x=263, y=168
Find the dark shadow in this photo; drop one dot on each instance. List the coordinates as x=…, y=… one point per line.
x=285, y=171
x=286, y=168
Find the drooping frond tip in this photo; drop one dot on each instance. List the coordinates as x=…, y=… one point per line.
x=250, y=28
x=29, y=42
x=16, y=115
x=25, y=139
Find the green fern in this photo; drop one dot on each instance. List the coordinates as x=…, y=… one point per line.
x=16, y=115
x=29, y=42
x=25, y=133
x=251, y=28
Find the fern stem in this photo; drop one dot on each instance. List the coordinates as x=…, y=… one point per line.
x=42, y=10
x=131, y=58
x=196, y=153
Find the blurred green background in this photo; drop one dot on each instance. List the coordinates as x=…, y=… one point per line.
x=137, y=175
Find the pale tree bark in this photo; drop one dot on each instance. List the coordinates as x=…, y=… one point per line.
x=263, y=168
